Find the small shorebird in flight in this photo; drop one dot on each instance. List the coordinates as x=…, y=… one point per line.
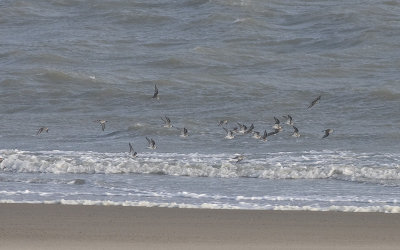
x=242, y=128
x=289, y=119
x=296, y=132
x=132, y=151
x=102, y=123
x=316, y=100
x=229, y=134
x=42, y=129
x=152, y=143
x=167, y=122
x=327, y=132
x=238, y=158
x=277, y=125
x=222, y=122
x=250, y=129
x=155, y=95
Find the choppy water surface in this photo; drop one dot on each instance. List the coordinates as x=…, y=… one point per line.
x=65, y=64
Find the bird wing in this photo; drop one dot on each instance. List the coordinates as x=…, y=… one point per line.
x=273, y=133
x=251, y=128
x=314, y=101
x=40, y=130
x=155, y=91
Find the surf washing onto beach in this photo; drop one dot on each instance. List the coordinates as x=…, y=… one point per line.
x=250, y=105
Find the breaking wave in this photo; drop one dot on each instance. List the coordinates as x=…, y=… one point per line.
x=348, y=166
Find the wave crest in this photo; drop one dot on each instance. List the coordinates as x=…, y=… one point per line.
x=285, y=165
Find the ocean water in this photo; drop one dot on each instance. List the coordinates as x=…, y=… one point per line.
x=65, y=64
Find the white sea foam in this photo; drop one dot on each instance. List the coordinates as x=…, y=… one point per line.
x=380, y=209
x=286, y=165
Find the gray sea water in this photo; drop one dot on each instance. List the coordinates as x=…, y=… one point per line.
x=66, y=63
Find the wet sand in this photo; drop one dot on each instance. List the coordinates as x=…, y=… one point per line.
x=38, y=226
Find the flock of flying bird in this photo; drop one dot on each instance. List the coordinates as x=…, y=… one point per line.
x=230, y=133
x=242, y=129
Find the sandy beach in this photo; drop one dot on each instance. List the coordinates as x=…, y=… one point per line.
x=34, y=226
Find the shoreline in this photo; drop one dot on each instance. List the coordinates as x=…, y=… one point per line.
x=49, y=226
